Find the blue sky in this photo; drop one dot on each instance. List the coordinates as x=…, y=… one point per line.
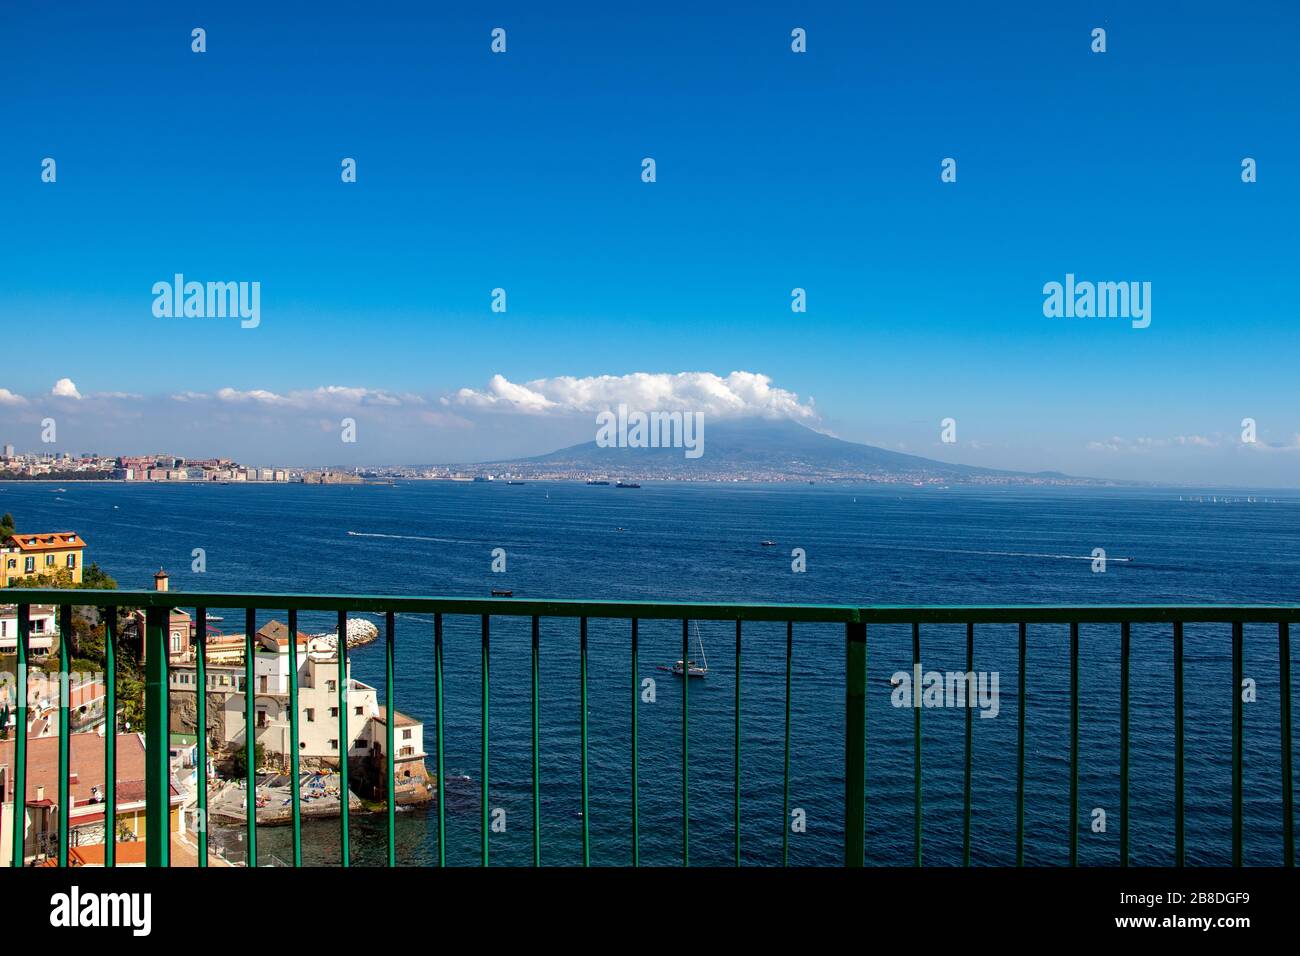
x=774, y=170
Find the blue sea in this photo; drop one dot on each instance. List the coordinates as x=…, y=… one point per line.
x=864, y=544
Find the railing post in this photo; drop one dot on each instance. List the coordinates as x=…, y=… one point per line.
x=157, y=774
x=855, y=743
x=18, y=779
x=65, y=730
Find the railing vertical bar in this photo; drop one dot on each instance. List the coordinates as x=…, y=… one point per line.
x=785, y=774
x=345, y=739
x=970, y=704
x=1288, y=809
x=736, y=785
x=1074, y=743
x=157, y=770
x=1020, y=749
x=65, y=725
x=582, y=684
x=156, y=742
x=1178, y=743
x=294, y=734
x=201, y=726
x=20, y=739
x=437, y=702
x=483, y=752
x=250, y=732
x=537, y=785
x=855, y=742
x=916, y=746
x=1124, y=641
x=1236, y=741
x=109, y=616
x=636, y=700
x=686, y=791
x=390, y=753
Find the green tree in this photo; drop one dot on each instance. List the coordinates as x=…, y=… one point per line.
x=239, y=759
x=94, y=577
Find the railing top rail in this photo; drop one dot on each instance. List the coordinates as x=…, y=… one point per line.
x=675, y=610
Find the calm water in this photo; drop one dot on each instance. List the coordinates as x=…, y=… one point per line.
x=702, y=543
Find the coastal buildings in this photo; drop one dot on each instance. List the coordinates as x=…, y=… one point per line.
x=319, y=747
x=23, y=555
x=152, y=468
x=86, y=791
x=40, y=636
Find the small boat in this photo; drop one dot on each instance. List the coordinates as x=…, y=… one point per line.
x=767, y=544
x=502, y=592
x=596, y=482
x=691, y=668
x=516, y=482
x=627, y=484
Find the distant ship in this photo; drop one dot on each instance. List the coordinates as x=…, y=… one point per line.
x=626, y=484
x=516, y=482
x=593, y=481
x=767, y=544
x=502, y=592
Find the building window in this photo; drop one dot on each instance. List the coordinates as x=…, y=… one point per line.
x=331, y=686
x=334, y=711
x=72, y=561
x=334, y=745
x=311, y=715
x=49, y=560
x=406, y=752
x=357, y=711
x=406, y=735
x=30, y=565
x=261, y=719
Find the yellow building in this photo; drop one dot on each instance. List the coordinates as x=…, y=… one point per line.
x=24, y=555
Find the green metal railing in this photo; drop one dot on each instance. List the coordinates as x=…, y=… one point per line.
x=854, y=619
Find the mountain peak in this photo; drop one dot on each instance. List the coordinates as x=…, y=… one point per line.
x=761, y=449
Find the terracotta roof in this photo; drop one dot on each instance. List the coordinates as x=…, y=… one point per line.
x=84, y=694
x=48, y=541
x=402, y=719
x=128, y=853
x=86, y=764
x=279, y=633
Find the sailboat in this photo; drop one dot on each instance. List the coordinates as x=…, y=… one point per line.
x=693, y=669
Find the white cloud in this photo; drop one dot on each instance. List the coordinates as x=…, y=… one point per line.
x=739, y=394
x=9, y=398
x=64, y=388
x=325, y=396
x=1118, y=444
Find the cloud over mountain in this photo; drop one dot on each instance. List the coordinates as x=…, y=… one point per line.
x=737, y=395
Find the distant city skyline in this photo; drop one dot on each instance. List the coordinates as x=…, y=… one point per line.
x=775, y=171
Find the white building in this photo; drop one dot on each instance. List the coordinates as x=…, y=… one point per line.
x=318, y=724
x=40, y=637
